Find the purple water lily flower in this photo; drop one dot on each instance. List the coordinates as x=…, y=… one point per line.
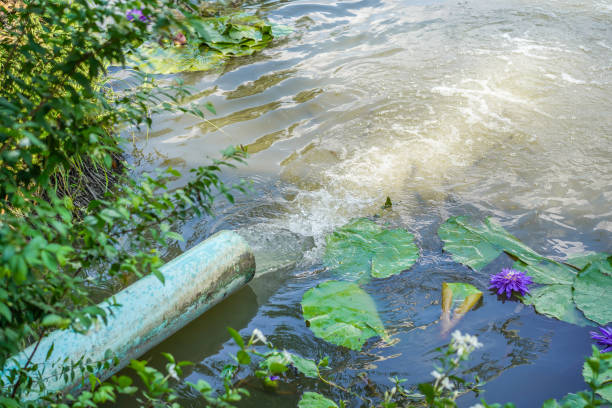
x=510, y=280
x=604, y=338
x=136, y=13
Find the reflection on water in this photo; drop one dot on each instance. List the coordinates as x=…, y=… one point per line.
x=491, y=108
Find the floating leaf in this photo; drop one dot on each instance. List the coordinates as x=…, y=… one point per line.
x=153, y=58
x=548, y=272
x=342, y=313
x=593, y=292
x=556, y=301
x=210, y=42
x=476, y=244
x=315, y=400
x=305, y=366
x=363, y=248
x=581, y=261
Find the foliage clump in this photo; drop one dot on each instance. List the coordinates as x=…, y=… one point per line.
x=57, y=111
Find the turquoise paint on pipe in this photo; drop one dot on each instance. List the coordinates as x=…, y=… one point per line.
x=149, y=311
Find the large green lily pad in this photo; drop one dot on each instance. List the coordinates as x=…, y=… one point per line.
x=315, y=400
x=556, y=301
x=581, y=261
x=593, y=292
x=362, y=249
x=548, y=272
x=476, y=243
x=342, y=313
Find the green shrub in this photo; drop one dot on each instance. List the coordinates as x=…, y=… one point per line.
x=56, y=113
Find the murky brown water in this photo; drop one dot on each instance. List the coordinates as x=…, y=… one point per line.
x=499, y=108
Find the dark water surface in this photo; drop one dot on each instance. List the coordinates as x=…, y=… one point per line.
x=490, y=108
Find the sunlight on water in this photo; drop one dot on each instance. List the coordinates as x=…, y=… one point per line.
x=494, y=108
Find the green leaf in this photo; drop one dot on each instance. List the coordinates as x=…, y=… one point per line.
x=315, y=400
x=211, y=42
x=243, y=357
x=237, y=337
x=475, y=243
x=5, y=311
x=579, y=400
x=276, y=363
x=305, y=366
x=155, y=59
x=593, y=293
x=604, y=374
x=581, y=261
x=342, y=313
x=55, y=321
x=556, y=301
x=362, y=248
x=548, y=272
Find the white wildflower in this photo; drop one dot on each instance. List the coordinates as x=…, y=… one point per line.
x=259, y=336
x=464, y=344
x=172, y=372
x=436, y=375
x=447, y=384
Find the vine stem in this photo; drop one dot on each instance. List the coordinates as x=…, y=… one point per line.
x=333, y=384
x=25, y=367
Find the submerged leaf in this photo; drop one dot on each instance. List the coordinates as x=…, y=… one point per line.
x=362, y=248
x=556, y=301
x=315, y=400
x=462, y=295
x=593, y=292
x=476, y=244
x=342, y=313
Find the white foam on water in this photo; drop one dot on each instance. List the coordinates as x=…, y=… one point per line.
x=568, y=78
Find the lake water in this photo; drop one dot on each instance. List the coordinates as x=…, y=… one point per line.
x=489, y=108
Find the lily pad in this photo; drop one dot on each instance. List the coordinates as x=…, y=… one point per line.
x=362, y=248
x=476, y=243
x=461, y=295
x=342, y=313
x=593, y=292
x=581, y=261
x=315, y=400
x=556, y=301
x=547, y=272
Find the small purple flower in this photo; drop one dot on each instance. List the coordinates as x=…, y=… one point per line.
x=136, y=13
x=604, y=339
x=510, y=280
x=274, y=378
